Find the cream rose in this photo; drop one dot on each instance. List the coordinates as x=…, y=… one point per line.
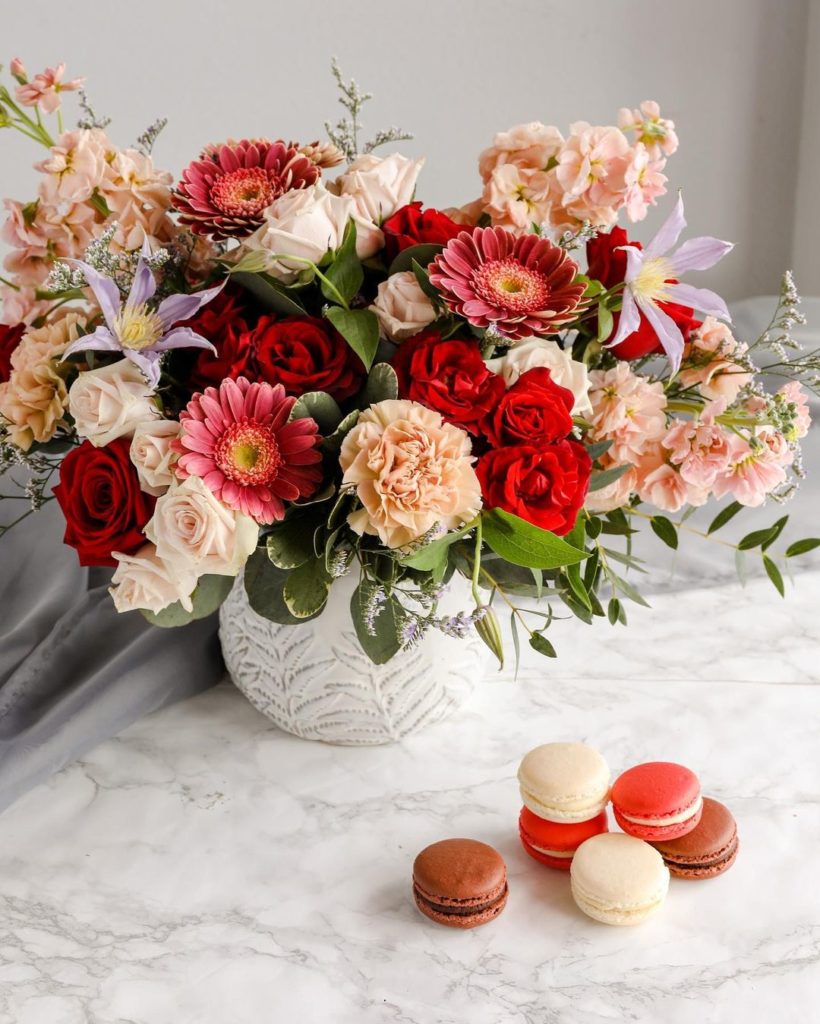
x=151, y=454
x=411, y=471
x=144, y=581
x=402, y=307
x=566, y=371
x=192, y=529
x=380, y=185
x=111, y=402
x=305, y=223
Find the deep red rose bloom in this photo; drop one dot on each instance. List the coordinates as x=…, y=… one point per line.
x=410, y=225
x=9, y=340
x=449, y=377
x=224, y=323
x=535, y=410
x=544, y=484
x=305, y=353
x=608, y=265
x=100, y=496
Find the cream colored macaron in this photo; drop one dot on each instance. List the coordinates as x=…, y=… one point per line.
x=617, y=879
x=564, y=782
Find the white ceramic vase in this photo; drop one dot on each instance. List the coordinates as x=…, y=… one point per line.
x=314, y=679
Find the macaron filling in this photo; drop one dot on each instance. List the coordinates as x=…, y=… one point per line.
x=461, y=908
x=666, y=819
x=698, y=863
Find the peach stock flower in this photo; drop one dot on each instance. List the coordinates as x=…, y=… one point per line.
x=700, y=450
x=626, y=409
x=713, y=362
x=411, y=471
x=591, y=172
x=516, y=197
x=652, y=130
x=755, y=470
x=531, y=146
x=43, y=91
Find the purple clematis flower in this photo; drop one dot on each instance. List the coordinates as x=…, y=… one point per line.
x=141, y=333
x=647, y=283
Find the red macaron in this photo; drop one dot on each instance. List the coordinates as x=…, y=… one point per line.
x=554, y=843
x=656, y=801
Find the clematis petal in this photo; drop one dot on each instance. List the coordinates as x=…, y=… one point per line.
x=143, y=286
x=634, y=261
x=669, y=232
x=147, y=362
x=699, y=254
x=629, y=322
x=182, y=337
x=105, y=292
x=100, y=340
x=668, y=332
x=702, y=299
x=181, y=307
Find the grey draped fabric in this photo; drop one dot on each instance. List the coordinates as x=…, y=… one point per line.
x=73, y=672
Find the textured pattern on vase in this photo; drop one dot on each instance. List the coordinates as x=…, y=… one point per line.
x=315, y=681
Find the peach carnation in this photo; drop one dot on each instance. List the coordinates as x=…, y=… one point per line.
x=411, y=471
x=33, y=404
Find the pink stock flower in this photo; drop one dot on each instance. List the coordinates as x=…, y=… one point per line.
x=628, y=410
x=75, y=166
x=655, y=132
x=239, y=441
x=43, y=91
x=530, y=146
x=713, y=361
x=515, y=198
x=754, y=471
x=18, y=70
x=644, y=183
x=520, y=286
x=795, y=397
x=661, y=484
x=591, y=173
x=700, y=450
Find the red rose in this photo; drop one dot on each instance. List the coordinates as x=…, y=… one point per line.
x=535, y=410
x=9, y=340
x=545, y=484
x=607, y=264
x=409, y=225
x=304, y=353
x=223, y=322
x=448, y=376
x=100, y=496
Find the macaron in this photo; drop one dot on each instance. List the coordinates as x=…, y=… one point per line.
x=564, y=782
x=657, y=801
x=555, y=844
x=461, y=883
x=618, y=879
x=708, y=850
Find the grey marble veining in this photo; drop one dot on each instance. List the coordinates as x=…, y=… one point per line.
x=205, y=868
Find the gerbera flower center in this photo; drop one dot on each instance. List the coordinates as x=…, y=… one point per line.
x=651, y=281
x=248, y=454
x=512, y=286
x=138, y=327
x=244, y=192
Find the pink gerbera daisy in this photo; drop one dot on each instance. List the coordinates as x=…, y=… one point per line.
x=520, y=285
x=239, y=440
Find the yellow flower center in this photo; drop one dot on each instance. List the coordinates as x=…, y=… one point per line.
x=651, y=282
x=138, y=327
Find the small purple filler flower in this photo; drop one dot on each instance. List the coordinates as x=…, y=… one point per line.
x=647, y=283
x=141, y=333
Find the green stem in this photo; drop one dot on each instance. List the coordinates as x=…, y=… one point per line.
x=477, y=562
x=682, y=526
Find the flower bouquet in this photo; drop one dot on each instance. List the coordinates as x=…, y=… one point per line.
x=295, y=375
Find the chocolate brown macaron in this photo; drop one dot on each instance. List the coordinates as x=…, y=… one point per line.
x=460, y=883
x=708, y=850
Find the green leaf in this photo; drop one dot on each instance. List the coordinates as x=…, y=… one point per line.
x=426, y=286
x=723, y=517
x=801, y=547
x=489, y=629
x=607, y=476
x=382, y=646
x=542, y=645
x=264, y=585
x=777, y=529
x=208, y=595
x=665, y=529
x=522, y=543
x=774, y=575
x=306, y=589
x=740, y=566
x=319, y=406
x=421, y=254
x=613, y=610
x=345, y=273
x=252, y=261
x=359, y=328
x=755, y=539
x=605, y=322
x=290, y=543
x=270, y=293
x=573, y=576
x=431, y=555
x=97, y=200
x=629, y=591
x=516, y=642
x=599, y=448
x=382, y=384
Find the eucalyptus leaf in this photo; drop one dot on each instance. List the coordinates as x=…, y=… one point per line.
x=774, y=575
x=801, y=547
x=306, y=589
x=208, y=595
x=319, y=406
x=723, y=517
x=264, y=585
x=382, y=385
x=665, y=529
x=334, y=441
x=290, y=543
x=599, y=448
x=607, y=476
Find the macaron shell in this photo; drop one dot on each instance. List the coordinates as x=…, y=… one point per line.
x=464, y=921
x=564, y=782
x=459, y=869
x=618, y=879
x=552, y=835
x=707, y=850
x=704, y=871
x=657, y=833
x=657, y=789
x=560, y=863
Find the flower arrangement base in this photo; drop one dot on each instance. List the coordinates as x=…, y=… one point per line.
x=315, y=681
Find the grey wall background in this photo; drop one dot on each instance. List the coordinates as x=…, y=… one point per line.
x=738, y=77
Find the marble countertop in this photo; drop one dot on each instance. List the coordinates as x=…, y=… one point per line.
x=205, y=868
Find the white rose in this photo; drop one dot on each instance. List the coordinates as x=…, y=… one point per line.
x=111, y=402
x=152, y=455
x=380, y=185
x=145, y=581
x=305, y=223
x=402, y=307
x=566, y=371
x=192, y=529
